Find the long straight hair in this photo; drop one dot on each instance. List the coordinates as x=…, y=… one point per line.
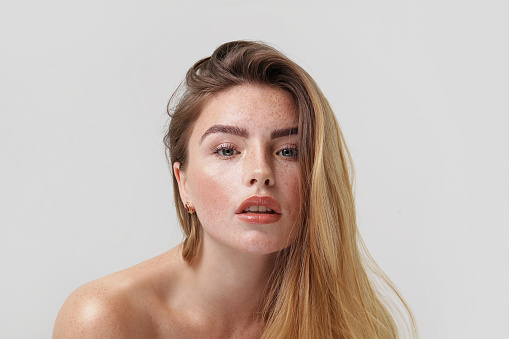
x=325, y=285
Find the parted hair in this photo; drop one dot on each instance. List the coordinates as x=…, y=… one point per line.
x=324, y=285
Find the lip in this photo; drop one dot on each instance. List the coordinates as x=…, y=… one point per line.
x=259, y=200
x=259, y=218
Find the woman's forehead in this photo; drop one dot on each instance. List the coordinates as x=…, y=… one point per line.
x=250, y=105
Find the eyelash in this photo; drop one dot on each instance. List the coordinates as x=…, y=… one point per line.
x=290, y=148
x=218, y=149
x=221, y=147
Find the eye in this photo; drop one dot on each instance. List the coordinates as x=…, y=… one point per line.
x=225, y=151
x=288, y=152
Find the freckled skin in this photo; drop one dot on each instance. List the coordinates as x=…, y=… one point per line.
x=216, y=185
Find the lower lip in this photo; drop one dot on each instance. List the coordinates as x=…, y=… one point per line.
x=259, y=218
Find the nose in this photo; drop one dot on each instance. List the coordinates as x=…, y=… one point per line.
x=259, y=171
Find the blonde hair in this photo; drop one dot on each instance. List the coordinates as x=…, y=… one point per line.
x=320, y=286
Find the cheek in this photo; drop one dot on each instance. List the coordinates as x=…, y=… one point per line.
x=211, y=189
x=289, y=180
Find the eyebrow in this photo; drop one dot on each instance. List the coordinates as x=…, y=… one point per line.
x=284, y=132
x=242, y=132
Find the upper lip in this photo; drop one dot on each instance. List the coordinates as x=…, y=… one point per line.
x=260, y=200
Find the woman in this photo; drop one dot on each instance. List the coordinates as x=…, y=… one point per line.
x=263, y=189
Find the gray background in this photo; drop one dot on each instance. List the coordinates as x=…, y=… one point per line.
x=419, y=87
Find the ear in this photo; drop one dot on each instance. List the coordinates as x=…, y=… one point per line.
x=181, y=180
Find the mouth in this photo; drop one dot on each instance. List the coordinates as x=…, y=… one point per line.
x=259, y=210
x=259, y=204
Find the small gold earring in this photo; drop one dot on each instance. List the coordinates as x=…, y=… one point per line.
x=190, y=209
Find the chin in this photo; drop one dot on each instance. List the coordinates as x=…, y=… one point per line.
x=261, y=244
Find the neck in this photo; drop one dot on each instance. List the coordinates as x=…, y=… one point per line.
x=226, y=283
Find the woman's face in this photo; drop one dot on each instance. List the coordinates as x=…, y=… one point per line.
x=242, y=174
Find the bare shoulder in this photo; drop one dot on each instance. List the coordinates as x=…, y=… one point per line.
x=93, y=310
x=120, y=305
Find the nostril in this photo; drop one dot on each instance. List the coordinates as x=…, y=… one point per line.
x=267, y=182
x=253, y=181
